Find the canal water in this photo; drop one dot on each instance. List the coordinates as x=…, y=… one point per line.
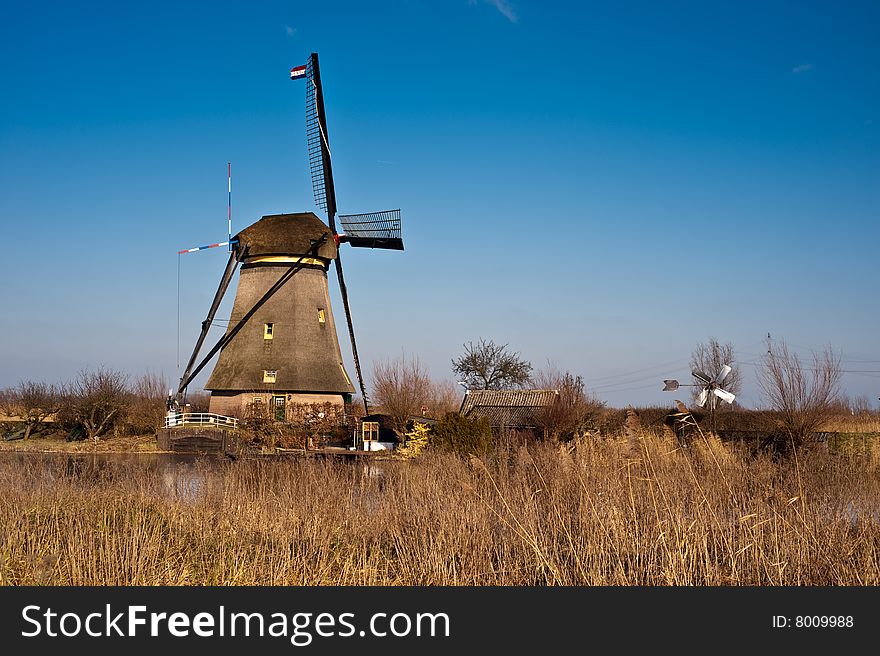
x=184, y=477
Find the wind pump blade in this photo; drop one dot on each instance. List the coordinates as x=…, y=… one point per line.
x=723, y=394
x=701, y=400
x=726, y=369
x=699, y=375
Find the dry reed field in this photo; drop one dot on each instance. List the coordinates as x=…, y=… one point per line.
x=610, y=511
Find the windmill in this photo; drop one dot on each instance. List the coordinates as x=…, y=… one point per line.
x=712, y=389
x=280, y=344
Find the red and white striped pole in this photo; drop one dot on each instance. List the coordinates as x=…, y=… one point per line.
x=229, y=203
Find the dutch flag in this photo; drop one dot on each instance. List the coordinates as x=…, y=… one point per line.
x=298, y=72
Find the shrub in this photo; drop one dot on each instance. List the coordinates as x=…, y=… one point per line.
x=462, y=435
x=416, y=442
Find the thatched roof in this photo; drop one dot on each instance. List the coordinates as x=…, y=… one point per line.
x=510, y=408
x=285, y=234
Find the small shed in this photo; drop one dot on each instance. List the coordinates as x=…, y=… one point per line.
x=374, y=433
x=516, y=409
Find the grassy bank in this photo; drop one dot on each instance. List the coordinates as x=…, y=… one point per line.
x=57, y=442
x=608, y=511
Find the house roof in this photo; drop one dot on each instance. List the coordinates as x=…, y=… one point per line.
x=511, y=408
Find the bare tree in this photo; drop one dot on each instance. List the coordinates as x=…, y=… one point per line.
x=573, y=411
x=96, y=400
x=9, y=405
x=445, y=397
x=803, y=398
x=149, y=393
x=32, y=402
x=486, y=365
x=860, y=406
x=709, y=358
x=401, y=387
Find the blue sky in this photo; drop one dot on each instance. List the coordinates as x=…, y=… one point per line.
x=599, y=185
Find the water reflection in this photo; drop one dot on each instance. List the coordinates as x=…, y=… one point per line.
x=181, y=477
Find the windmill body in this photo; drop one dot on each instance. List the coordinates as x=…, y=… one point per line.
x=287, y=351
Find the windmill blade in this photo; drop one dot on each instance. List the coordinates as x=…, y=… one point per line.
x=701, y=400
x=319, y=143
x=726, y=369
x=354, y=352
x=699, y=375
x=724, y=395
x=206, y=324
x=322, y=186
x=373, y=230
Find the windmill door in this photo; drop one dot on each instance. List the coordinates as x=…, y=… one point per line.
x=279, y=404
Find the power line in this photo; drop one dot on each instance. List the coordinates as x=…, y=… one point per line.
x=636, y=371
x=628, y=389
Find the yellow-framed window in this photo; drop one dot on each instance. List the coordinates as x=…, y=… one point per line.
x=370, y=431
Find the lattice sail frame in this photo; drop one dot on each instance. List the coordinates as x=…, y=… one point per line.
x=373, y=229
x=314, y=136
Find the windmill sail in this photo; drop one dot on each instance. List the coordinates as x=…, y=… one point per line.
x=704, y=394
x=373, y=230
x=318, y=142
x=323, y=189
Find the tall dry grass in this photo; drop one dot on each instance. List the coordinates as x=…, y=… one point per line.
x=638, y=511
x=867, y=423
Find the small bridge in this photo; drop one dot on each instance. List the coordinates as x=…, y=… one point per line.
x=199, y=432
x=199, y=419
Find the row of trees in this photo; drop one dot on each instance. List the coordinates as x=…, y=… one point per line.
x=801, y=396
x=94, y=403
